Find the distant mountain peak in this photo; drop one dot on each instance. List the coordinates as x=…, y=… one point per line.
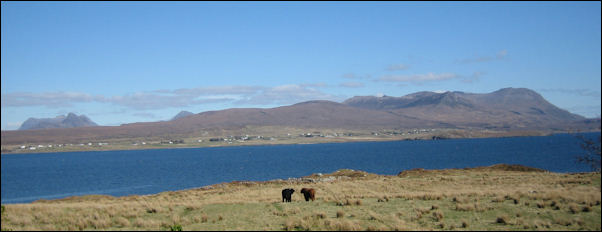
x=512, y=104
x=61, y=121
x=182, y=114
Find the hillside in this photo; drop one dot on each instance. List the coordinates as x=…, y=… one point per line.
x=509, y=108
x=182, y=114
x=506, y=110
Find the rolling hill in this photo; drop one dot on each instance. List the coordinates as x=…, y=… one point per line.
x=505, y=109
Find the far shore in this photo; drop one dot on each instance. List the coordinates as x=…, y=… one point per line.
x=200, y=142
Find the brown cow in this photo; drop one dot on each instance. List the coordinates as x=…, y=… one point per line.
x=309, y=193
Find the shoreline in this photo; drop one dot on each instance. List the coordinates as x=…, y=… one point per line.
x=319, y=177
x=293, y=141
x=496, y=197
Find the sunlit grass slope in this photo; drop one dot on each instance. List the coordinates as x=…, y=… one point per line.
x=499, y=197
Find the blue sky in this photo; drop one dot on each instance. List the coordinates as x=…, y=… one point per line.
x=123, y=62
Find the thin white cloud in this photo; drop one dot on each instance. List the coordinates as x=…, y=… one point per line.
x=215, y=90
x=501, y=54
x=397, y=67
x=418, y=78
x=314, y=85
x=12, y=125
x=178, y=98
x=148, y=101
x=50, y=99
x=352, y=85
x=478, y=59
x=589, y=111
x=578, y=92
x=356, y=76
x=287, y=94
x=476, y=76
x=145, y=115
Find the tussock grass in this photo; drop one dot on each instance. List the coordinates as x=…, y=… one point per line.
x=451, y=199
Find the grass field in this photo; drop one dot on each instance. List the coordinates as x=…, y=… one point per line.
x=499, y=197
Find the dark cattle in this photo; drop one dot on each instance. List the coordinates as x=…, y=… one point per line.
x=286, y=195
x=309, y=193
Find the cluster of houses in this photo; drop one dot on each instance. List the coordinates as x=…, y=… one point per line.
x=409, y=132
x=46, y=146
x=242, y=138
x=239, y=138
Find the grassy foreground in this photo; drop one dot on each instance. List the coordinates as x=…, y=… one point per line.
x=499, y=197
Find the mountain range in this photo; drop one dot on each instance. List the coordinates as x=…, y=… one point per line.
x=70, y=121
x=505, y=109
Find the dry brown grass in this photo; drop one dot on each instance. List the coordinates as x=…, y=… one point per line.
x=417, y=200
x=340, y=214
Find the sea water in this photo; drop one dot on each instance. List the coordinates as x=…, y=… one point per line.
x=30, y=177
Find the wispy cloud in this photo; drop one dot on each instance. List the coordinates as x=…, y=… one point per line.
x=356, y=76
x=145, y=115
x=352, y=85
x=286, y=94
x=50, y=99
x=418, y=78
x=578, y=92
x=178, y=98
x=214, y=90
x=397, y=67
x=590, y=111
x=12, y=125
x=152, y=101
x=476, y=76
x=478, y=59
x=314, y=85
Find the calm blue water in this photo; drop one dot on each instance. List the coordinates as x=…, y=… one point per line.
x=26, y=178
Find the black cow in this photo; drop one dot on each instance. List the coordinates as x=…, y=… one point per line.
x=286, y=195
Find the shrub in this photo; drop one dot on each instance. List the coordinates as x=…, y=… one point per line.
x=437, y=215
x=417, y=217
x=498, y=199
x=592, y=152
x=502, y=219
x=573, y=208
x=464, y=224
x=347, y=202
x=434, y=207
x=320, y=215
x=122, y=222
x=204, y=218
x=340, y=214
x=586, y=208
x=441, y=225
x=358, y=202
x=465, y=207
x=175, y=227
x=460, y=199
